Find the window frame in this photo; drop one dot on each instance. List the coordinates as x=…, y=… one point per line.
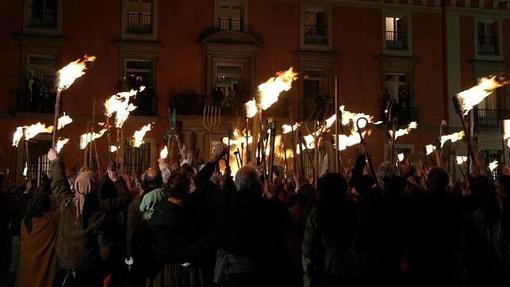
x=326, y=9
x=244, y=12
x=40, y=30
x=392, y=51
x=489, y=57
x=123, y=74
x=139, y=36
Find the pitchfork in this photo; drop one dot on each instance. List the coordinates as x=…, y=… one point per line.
x=211, y=121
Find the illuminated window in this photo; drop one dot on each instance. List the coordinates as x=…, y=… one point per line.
x=396, y=33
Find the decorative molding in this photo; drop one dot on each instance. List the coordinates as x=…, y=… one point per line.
x=42, y=41
x=230, y=37
x=396, y=64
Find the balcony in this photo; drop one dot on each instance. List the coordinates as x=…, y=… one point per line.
x=396, y=40
x=41, y=102
x=316, y=34
x=488, y=45
x=490, y=118
x=407, y=115
x=41, y=17
x=139, y=23
x=229, y=24
x=194, y=105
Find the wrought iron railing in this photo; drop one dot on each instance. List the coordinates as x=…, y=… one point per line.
x=396, y=40
x=407, y=115
x=41, y=17
x=138, y=22
x=316, y=34
x=40, y=102
x=229, y=24
x=136, y=160
x=488, y=45
x=489, y=117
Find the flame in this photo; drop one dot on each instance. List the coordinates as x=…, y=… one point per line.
x=469, y=98
x=250, y=108
x=16, y=137
x=506, y=129
x=352, y=118
x=493, y=165
x=330, y=121
x=288, y=128
x=429, y=149
x=271, y=89
x=402, y=132
x=238, y=138
x=86, y=138
x=163, y=154
x=35, y=129
x=119, y=105
x=68, y=74
x=60, y=144
x=452, y=137
x=400, y=157
x=461, y=159
x=63, y=121
x=345, y=141
x=113, y=148
x=25, y=169
x=138, y=135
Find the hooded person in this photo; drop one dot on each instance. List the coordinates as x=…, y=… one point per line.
x=81, y=245
x=38, y=237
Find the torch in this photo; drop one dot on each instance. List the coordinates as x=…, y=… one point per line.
x=361, y=124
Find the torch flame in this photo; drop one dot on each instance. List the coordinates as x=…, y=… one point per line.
x=400, y=157
x=461, y=159
x=68, y=74
x=429, y=149
x=119, y=105
x=138, y=135
x=63, y=121
x=452, y=137
x=163, y=154
x=469, y=98
x=35, y=129
x=352, y=118
x=60, y=144
x=113, y=148
x=493, y=165
x=402, y=132
x=345, y=141
x=239, y=137
x=18, y=134
x=271, y=89
x=288, y=128
x=251, y=108
x=86, y=138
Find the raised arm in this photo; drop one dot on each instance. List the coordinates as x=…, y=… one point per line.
x=59, y=184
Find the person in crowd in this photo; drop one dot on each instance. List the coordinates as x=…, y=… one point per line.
x=329, y=256
x=82, y=245
x=38, y=237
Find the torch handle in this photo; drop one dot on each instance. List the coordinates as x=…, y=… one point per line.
x=55, y=118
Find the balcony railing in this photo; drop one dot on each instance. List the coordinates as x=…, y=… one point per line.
x=488, y=45
x=490, y=118
x=41, y=17
x=316, y=34
x=229, y=24
x=41, y=102
x=396, y=40
x=138, y=22
x=407, y=115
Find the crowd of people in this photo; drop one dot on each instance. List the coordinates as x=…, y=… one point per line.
x=188, y=225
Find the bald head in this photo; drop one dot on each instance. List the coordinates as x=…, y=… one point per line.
x=152, y=179
x=248, y=179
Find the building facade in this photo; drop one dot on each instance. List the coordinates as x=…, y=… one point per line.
x=194, y=53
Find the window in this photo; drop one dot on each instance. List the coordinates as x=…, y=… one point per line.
x=140, y=73
x=316, y=27
x=490, y=112
x=38, y=163
x=136, y=160
x=396, y=33
x=488, y=38
x=490, y=155
x=43, y=14
x=397, y=86
x=139, y=16
x=39, y=92
x=228, y=87
x=316, y=96
x=230, y=16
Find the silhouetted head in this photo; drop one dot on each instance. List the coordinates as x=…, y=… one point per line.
x=437, y=180
x=248, y=179
x=332, y=187
x=152, y=179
